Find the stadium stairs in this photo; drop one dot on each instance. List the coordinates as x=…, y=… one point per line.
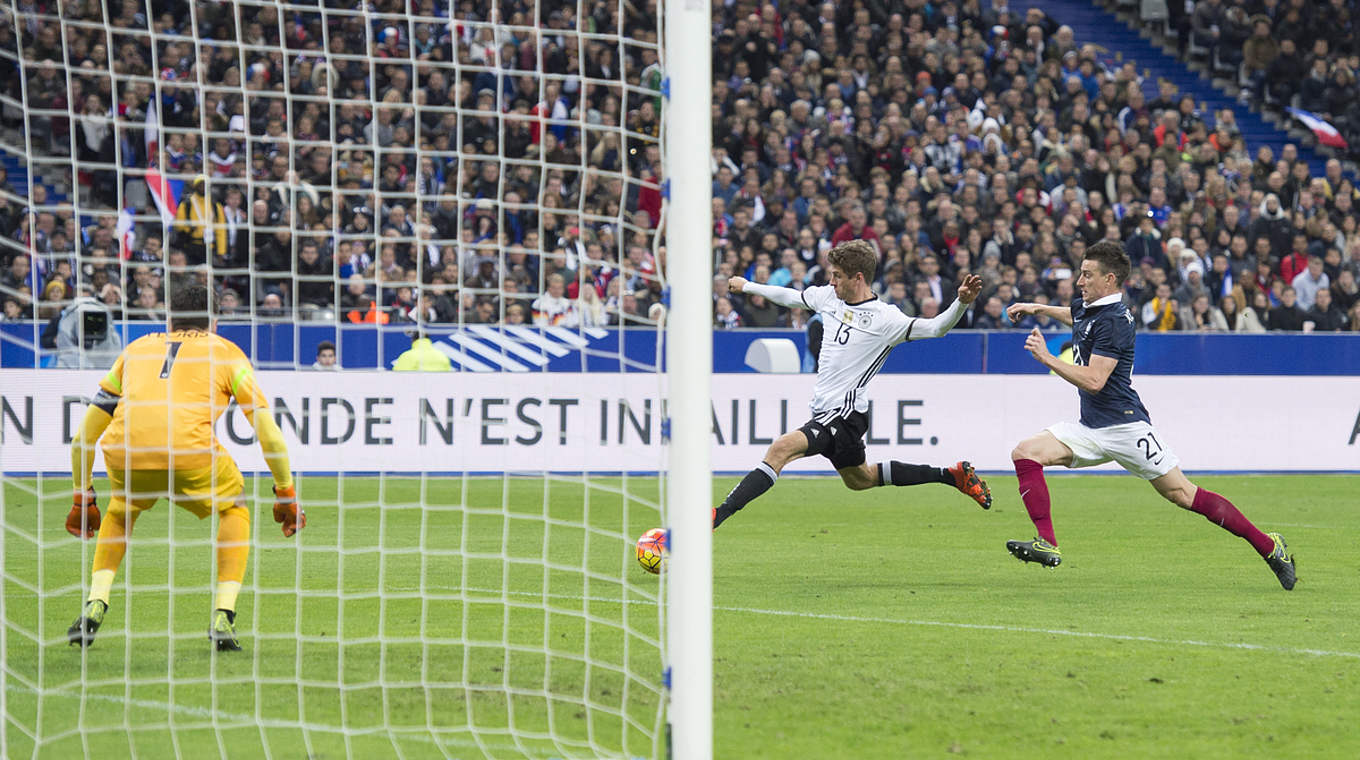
x=17, y=170
x=1122, y=39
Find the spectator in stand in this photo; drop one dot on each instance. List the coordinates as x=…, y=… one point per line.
x=1203, y=316
x=1160, y=312
x=1287, y=316
x=855, y=228
x=200, y=224
x=1324, y=316
x=1256, y=316
x=325, y=357
x=1192, y=286
x=993, y=316
x=1296, y=261
x=1308, y=283
x=1345, y=291
x=724, y=316
x=554, y=308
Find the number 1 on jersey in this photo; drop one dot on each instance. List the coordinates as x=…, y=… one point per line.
x=171, y=349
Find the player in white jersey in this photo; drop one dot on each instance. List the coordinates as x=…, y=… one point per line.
x=860, y=331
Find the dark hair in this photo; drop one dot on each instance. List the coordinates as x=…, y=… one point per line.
x=1111, y=258
x=324, y=345
x=189, y=308
x=855, y=256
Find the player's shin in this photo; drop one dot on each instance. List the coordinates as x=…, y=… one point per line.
x=1222, y=513
x=903, y=474
x=1034, y=493
x=756, y=482
x=233, y=549
x=110, y=548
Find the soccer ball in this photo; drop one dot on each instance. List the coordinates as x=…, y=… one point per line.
x=651, y=550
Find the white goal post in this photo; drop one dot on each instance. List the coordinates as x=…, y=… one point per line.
x=690, y=361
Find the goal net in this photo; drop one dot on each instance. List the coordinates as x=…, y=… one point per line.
x=350, y=179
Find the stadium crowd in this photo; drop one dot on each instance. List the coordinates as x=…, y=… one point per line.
x=363, y=167
x=1287, y=53
x=347, y=163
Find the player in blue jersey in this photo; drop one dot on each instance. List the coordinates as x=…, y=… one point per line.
x=1114, y=424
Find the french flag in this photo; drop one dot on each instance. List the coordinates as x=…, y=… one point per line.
x=151, y=132
x=1326, y=133
x=125, y=234
x=165, y=192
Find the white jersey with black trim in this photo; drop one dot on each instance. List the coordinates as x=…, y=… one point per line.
x=856, y=341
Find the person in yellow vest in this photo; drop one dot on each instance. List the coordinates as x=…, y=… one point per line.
x=422, y=356
x=199, y=221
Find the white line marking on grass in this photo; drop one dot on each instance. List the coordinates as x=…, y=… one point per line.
x=947, y=624
x=1048, y=632
x=1305, y=525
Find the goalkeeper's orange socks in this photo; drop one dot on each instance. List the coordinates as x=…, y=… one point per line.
x=110, y=548
x=233, y=549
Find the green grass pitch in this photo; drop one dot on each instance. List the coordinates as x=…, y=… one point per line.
x=885, y=624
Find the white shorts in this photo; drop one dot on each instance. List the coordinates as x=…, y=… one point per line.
x=1135, y=446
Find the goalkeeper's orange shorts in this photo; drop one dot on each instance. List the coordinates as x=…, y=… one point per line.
x=200, y=490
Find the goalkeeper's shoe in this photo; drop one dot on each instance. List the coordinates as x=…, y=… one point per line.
x=83, y=630
x=1282, y=562
x=1037, y=550
x=223, y=632
x=967, y=481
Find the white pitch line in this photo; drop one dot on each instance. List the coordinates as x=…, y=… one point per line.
x=948, y=624
x=1307, y=526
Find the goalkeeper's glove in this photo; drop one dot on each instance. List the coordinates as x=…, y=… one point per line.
x=288, y=511
x=83, y=519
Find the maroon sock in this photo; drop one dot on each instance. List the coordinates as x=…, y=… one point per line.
x=1034, y=492
x=1222, y=513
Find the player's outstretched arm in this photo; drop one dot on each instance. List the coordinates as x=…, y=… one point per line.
x=781, y=296
x=940, y=324
x=1017, y=311
x=1090, y=378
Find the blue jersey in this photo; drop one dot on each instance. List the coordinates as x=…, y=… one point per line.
x=1105, y=328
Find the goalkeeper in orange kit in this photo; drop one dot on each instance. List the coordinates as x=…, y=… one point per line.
x=155, y=412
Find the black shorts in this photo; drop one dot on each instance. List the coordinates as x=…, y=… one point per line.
x=840, y=440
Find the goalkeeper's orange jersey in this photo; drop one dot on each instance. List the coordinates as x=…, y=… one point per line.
x=172, y=388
